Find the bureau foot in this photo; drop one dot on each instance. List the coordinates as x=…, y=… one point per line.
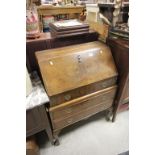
x=109, y=115
x=56, y=143
x=56, y=139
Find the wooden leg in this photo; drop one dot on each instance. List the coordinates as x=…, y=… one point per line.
x=49, y=133
x=109, y=114
x=119, y=109
x=114, y=117
x=115, y=111
x=56, y=139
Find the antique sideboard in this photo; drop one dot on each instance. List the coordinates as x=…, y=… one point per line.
x=80, y=81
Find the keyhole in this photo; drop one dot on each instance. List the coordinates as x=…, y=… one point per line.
x=79, y=58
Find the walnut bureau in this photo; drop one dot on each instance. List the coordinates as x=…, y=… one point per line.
x=80, y=81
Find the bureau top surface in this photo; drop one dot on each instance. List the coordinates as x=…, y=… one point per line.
x=70, y=67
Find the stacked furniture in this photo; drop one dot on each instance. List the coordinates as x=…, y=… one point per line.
x=80, y=81
x=68, y=28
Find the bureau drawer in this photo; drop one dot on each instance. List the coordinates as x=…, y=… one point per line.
x=59, y=124
x=82, y=91
x=72, y=111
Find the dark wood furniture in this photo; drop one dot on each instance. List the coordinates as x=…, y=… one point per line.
x=46, y=42
x=80, y=81
x=36, y=121
x=60, y=30
x=71, y=11
x=32, y=146
x=120, y=51
x=108, y=9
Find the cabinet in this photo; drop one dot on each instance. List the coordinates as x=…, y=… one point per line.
x=36, y=121
x=120, y=51
x=80, y=81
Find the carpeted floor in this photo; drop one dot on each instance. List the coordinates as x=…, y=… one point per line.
x=124, y=153
x=94, y=136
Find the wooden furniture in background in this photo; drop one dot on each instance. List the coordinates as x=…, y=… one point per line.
x=31, y=146
x=80, y=81
x=46, y=42
x=108, y=9
x=101, y=28
x=75, y=27
x=95, y=22
x=36, y=121
x=72, y=11
x=120, y=51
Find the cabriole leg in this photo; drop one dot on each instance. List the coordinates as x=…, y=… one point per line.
x=56, y=138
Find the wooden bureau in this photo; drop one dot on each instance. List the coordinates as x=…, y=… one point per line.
x=80, y=81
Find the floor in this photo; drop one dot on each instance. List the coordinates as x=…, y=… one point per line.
x=94, y=136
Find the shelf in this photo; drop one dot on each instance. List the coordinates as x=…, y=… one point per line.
x=48, y=10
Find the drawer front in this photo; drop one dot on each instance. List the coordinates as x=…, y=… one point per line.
x=67, y=111
x=70, y=113
x=70, y=95
x=79, y=116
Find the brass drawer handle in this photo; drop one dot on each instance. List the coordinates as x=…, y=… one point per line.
x=103, y=99
x=67, y=97
x=103, y=85
x=53, y=100
x=68, y=110
x=70, y=120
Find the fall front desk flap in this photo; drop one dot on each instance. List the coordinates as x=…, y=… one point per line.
x=75, y=66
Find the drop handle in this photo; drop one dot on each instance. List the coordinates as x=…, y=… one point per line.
x=67, y=97
x=68, y=110
x=69, y=120
x=103, y=85
x=104, y=99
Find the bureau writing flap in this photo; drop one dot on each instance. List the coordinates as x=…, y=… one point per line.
x=75, y=66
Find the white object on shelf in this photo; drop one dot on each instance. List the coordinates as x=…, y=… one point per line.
x=92, y=12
